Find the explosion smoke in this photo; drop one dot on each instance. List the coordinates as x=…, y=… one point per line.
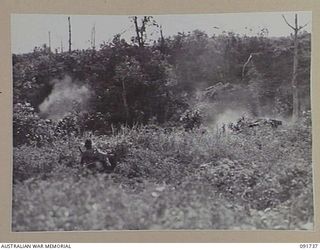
x=65, y=97
x=229, y=116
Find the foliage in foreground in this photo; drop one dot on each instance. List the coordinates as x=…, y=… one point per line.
x=258, y=179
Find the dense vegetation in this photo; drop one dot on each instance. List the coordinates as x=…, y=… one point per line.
x=160, y=108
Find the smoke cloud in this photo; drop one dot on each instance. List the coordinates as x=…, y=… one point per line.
x=229, y=116
x=65, y=97
x=223, y=103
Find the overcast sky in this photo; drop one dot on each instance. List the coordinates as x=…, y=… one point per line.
x=30, y=30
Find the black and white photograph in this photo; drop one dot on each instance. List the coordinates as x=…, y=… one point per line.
x=162, y=122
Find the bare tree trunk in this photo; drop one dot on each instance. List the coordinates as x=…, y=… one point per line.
x=141, y=31
x=162, y=45
x=93, y=37
x=139, y=38
x=61, y=46
x=124, y=99
x=69, y=34
x=295, y=95
x=245, y=65
x=49, y=33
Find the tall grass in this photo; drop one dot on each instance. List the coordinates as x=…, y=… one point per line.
x=258, y=179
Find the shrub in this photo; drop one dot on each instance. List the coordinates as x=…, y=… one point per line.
x=28, y=127
x=257, y=179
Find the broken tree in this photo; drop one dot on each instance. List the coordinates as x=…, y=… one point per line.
x=295, y=94
x=69, y=24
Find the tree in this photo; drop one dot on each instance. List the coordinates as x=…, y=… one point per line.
x=141, y=30
x=49, y=36
x=69, y=22
x=127, y=71
x=93, y=37
x=295, y=94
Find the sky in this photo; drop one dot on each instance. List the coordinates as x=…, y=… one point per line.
x=31, y=30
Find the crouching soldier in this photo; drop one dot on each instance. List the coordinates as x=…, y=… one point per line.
x=94, y=160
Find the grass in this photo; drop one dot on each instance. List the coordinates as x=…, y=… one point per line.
x=258, y=179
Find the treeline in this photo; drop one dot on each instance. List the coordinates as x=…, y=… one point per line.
x=135, y=82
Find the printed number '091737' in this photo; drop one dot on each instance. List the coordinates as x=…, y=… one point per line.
x=309, y=245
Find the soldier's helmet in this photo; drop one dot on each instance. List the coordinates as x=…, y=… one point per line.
x=88, y=144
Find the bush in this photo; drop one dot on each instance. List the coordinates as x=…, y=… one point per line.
x=258, y=179
x=191, y=119
x=28, y=127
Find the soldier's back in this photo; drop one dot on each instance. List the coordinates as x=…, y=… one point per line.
x=88, y=156
x=96, y=160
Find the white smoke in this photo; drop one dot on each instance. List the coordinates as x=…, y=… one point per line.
x=230, y=116
x=65, y=97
